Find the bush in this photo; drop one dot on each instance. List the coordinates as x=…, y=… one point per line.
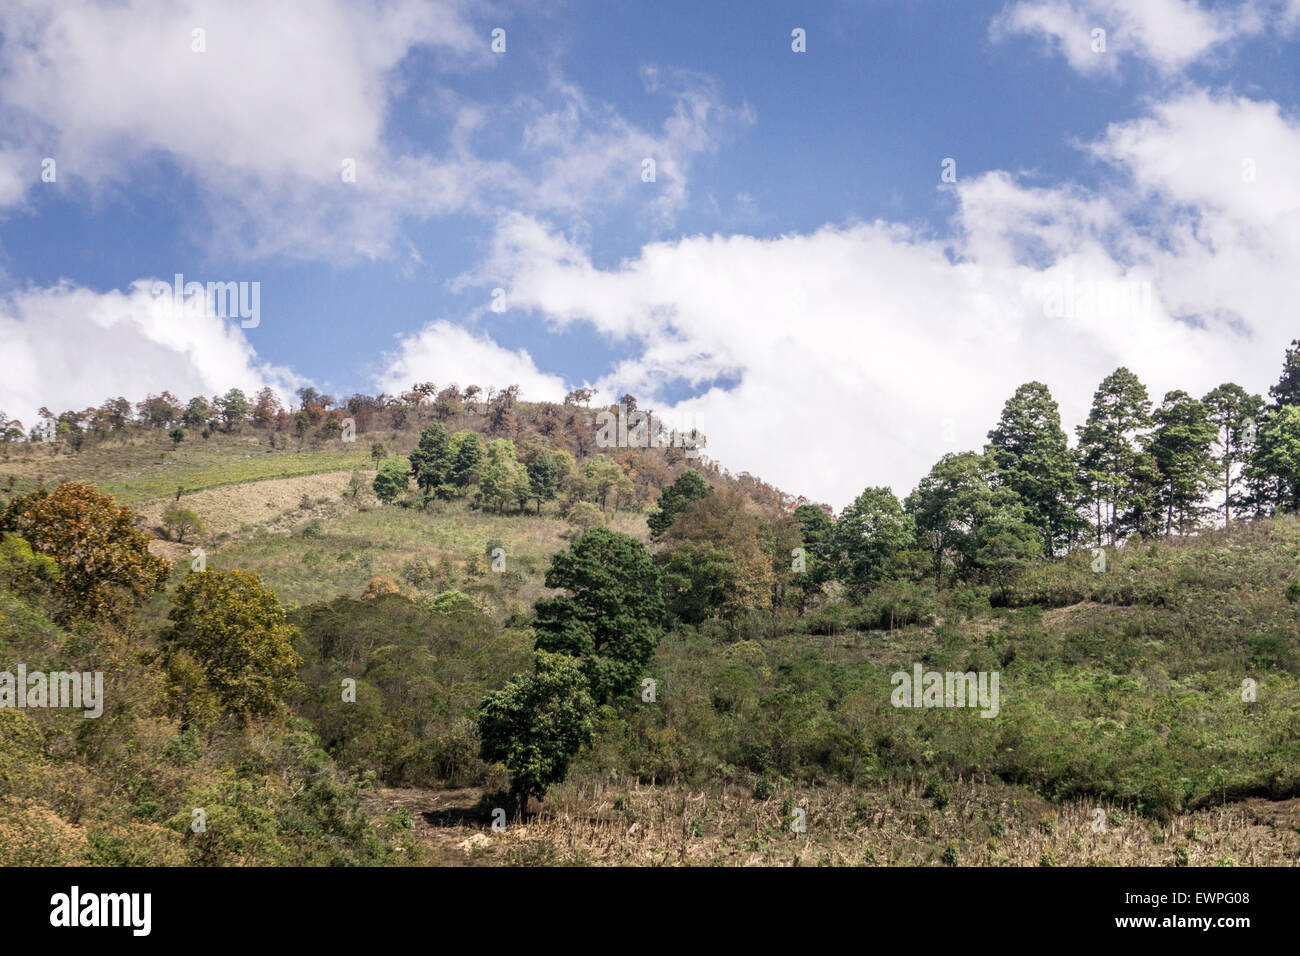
x=896, y=604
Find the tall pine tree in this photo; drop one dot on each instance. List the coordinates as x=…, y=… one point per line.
x=1033, y=458
x=1109, y=450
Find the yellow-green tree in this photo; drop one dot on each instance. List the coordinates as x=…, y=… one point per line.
x=233, y=627
x=104, y=561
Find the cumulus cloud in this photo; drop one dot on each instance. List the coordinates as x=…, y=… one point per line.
x=264, y=118
x=858, y=354
x=69, y=347
x=444, y=353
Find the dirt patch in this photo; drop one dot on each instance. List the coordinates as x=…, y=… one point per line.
x=232, y=507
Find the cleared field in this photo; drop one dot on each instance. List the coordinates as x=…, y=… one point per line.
x=334, y=549
x=895, y=825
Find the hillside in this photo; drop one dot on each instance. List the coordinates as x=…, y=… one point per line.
x=1123, y=733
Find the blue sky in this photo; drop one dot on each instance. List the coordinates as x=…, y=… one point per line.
x=796, y=271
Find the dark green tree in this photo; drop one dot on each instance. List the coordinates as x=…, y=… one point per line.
x=537, y=724
x=466, y=460
x=1033, y=458
x=431, y=461
x=868, y=538
x=1183, y=447
x=1287, y=389
x=1005, y=543
x=610, y=614
x=390, y=482
x=689, y=486
x=1109, y=447
x=949, y=506
x=543, y=478
x=1274, y=468
x=1235, y=414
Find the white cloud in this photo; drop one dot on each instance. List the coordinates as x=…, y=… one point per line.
x=69, y=347
x=444, y=353
x=263, y=120
x=840, y=358
x=1169, y=34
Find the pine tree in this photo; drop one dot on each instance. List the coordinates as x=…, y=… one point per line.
x=1033, y=458
x=1108, y=449
x=1183, y=447
x=1235, y=415
x=1287, y=389
x=466, y=459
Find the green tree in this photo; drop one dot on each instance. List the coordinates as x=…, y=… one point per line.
x=235, y=407
x=868, y=537
x=198, y=412
x=1109, y=447
x=1005, y=544
x=537, y=724
x=503, y=478
x=610, y=614
x=1287, y=389
x=607, y=475
x=431, y=461
x=234, y=628
x=182, y=521
x=699, y=581
x=689, y=486
x=391, y=480
x=544, y=478
x=466, y=459
x=816, y=530
x=1235, y=415
x=1183, y=447
x=949, y=506
x=1274, y=469
x=1033, y=458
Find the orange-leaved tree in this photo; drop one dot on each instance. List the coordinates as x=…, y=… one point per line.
x=104, y=560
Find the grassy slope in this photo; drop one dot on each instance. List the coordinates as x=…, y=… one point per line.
x=1127, y=687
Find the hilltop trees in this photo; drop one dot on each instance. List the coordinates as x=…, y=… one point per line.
x=868, y=538
x=963, y=519
x=234, y=408
x=1274, y=469
x=104, y=562
x=1235, y=416
x=1182, y=446
x=1032, y=457
x=689, y=486
x=1108, y=450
